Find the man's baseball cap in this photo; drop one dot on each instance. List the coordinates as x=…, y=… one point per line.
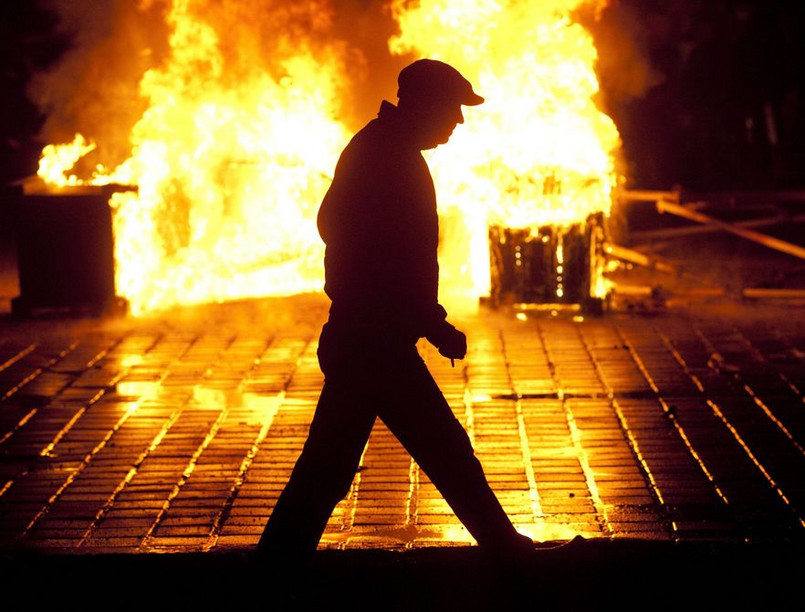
x=434, y=80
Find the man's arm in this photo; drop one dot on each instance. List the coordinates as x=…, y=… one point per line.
x=451, y=342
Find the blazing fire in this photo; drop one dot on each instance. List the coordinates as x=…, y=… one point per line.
x=233, y=155
x=538, y=151
x=58, y=160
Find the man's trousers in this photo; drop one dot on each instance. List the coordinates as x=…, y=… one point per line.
x=367, y=377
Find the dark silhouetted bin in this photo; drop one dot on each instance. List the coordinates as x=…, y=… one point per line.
x=65, y=251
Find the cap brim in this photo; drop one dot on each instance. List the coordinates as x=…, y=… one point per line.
x=472, y=100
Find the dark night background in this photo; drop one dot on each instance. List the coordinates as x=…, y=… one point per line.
x=708, y=95
x=725, y=103
x=27, y=45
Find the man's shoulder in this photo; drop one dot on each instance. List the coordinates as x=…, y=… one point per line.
x=376, y=147
x=374, y=135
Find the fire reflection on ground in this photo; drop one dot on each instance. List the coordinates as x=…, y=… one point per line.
x=575, y=421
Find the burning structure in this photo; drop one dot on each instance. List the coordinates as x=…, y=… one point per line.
x=240, y=118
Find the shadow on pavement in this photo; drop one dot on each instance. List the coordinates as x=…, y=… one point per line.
x=599, y=575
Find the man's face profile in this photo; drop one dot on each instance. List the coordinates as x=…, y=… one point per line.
x=437, y=122
x=431, y=94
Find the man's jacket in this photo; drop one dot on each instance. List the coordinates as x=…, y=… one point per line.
x=379, y=222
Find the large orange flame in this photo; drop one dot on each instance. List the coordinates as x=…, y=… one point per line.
x=231, y=159
x=234, y=152
x=538, y=151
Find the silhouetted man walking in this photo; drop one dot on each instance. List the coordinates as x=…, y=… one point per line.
x=379, y=223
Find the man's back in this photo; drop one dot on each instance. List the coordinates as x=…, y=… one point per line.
x=380, y=226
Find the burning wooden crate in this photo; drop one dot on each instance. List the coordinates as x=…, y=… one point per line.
x=549, y=264
x=65, y=250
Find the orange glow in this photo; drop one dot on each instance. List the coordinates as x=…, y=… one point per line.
x=236, y=147
x=231, y=158
x=58, y=160
x=538, y=151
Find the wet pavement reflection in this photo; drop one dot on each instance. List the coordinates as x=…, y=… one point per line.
x=177, y=433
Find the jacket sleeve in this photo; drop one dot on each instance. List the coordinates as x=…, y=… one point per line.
x=436, y=325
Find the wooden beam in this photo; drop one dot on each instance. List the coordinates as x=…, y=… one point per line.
x=642, y=195
x=767, y=241
x=679, y=232
x=638, y=258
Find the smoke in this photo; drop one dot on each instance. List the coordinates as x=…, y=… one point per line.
x=367, y=26
x=94, y=89
x=623, y=40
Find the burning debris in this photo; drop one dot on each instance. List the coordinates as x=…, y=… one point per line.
x=241, y=126
x=549, y=265
x=735, y=262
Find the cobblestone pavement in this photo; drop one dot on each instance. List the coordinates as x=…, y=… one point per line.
x=178, y=433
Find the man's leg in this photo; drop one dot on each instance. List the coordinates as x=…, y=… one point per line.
x=322, y=474
x=419, y=416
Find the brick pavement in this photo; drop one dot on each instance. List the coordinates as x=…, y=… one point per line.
x=177, y=433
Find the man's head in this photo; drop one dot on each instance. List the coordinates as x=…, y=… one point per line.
x=431, y=94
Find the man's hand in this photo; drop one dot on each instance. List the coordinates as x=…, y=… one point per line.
x=450, y=342
x=453, y=344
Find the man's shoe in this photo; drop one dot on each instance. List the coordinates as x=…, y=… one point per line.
x=565, y=546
